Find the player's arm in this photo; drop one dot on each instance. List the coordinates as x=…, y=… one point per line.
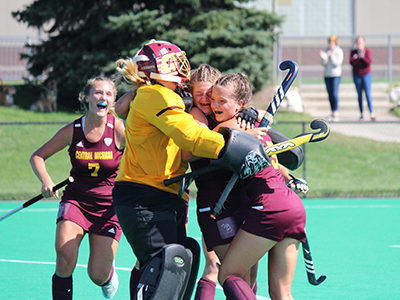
x=201, y=119
x=258, y=133
x=119, y=134
x=59, y=141
x=123, y=103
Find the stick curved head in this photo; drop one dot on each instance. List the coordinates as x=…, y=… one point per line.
x=324, y=130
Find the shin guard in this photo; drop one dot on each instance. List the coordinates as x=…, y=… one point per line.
x=235, y=288
x=61, y=287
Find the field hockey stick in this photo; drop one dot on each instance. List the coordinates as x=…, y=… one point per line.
x=322, y=134
x=310, y=266
x=36, y=199
x=266, y=120
x=281, y=92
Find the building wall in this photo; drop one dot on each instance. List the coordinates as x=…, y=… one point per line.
x=377, y=17
x=8, y=25
x=340, y=17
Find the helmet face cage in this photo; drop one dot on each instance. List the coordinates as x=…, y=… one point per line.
x=164, y=61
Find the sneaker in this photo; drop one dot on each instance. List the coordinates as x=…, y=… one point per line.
x=335, y=119
x=111, y=288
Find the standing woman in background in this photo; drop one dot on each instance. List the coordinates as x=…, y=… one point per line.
x=361, y=59
x=95, y=148
x=332, y=60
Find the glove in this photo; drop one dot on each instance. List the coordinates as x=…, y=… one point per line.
x=250, y=115
x=186, y=97
x=298, y=184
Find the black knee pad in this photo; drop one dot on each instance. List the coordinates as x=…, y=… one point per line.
x=194, y=247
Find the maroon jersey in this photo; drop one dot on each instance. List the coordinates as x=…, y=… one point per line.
x=94, y=166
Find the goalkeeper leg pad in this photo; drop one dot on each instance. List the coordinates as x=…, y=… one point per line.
x=166, y=277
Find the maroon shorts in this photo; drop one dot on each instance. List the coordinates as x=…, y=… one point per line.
x=276, y=215
x=105, y=224
x=222, y=230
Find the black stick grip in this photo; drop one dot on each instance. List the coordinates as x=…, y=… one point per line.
x=55, y=188
x=170, y=181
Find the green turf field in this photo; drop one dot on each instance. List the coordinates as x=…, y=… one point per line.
x=356, y=243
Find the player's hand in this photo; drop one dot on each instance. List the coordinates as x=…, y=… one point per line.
x=47, y=190
x=259, y=132
x=247, y=118
x=298, y=184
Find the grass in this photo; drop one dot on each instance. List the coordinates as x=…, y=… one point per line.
x=344, y=166
x=340, y=166
x=18, y=142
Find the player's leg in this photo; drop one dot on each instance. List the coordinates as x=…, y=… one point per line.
x=100, y=266
x=282, y=260
x=244, y=252
x=134, y=279
x=68, y=239
x=253, y=278
x=208, y=282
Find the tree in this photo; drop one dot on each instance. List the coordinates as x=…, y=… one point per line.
x=87, y=37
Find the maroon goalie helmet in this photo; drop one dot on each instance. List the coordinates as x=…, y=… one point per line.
x=161, y=60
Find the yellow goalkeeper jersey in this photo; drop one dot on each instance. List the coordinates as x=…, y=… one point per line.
x=157, y=128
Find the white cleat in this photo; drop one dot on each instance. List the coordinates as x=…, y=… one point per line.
x=111, y=288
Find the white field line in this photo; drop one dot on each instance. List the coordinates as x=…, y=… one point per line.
x=373, y=206
x=50, y=263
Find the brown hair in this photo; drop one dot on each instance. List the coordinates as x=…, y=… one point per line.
x=241, y=88
x=87, y=89
x=204, y=73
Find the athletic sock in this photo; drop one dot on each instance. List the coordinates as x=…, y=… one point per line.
x=111, y=276
x=255, y=288
x=235, y=288
x=134, y=281
x=205, y=289
x=62, y=287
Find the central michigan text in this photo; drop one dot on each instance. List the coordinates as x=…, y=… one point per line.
x=86, y=155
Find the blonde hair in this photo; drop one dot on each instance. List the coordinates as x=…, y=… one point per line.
x=333, y=37
x=128, y=74
x=84, y=94
x=240, y=86
x=204, y=73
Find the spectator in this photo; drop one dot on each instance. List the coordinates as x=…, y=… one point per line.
x=361, y=59
x=332, y=60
